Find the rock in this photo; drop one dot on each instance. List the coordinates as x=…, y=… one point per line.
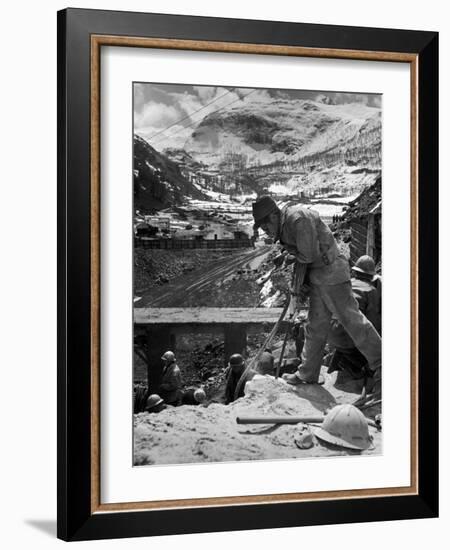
x=304, y=438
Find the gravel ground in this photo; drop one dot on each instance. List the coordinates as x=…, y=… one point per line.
x=192, y=434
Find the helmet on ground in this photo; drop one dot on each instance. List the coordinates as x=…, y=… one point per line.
x=365, y=264
x=236, y=360
x=346, y=426
x=169, y=356
x=153, y=401
x=262, y=207
x=199, y=395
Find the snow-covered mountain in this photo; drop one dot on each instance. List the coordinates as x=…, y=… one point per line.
x=287, y=147
x=264, y=132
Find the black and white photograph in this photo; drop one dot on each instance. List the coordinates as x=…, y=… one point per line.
x=257, y=265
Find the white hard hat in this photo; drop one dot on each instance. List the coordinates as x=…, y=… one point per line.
x=346, y=426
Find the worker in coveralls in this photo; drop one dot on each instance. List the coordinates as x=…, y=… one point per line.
x=236, y=368
x=171, y=381
x=303, y=234
x=366, y=289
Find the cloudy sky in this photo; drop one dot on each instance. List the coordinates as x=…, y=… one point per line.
x=166, y=114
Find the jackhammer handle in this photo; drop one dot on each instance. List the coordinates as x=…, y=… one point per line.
x=255, y=360
x=291, y=420
x=278, y=419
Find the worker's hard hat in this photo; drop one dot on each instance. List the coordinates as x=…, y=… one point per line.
x=262, y=207
x=346, y=426
x=199, y=395
x=236, y=360
x=169, y=356
x=365, y=264
x=153, y=401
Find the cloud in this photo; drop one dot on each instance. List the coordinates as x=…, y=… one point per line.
x=175, y=137
x=205, y=100
x=259, y=95
x=371, y=100
x=157, y=115
x=146, y=93
x=139, y=96
x=375, y=100
x=205, y=93
x=187, y=102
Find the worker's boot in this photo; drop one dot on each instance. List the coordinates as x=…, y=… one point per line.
x=295, y=380
x=373, y=385
x=371, y=390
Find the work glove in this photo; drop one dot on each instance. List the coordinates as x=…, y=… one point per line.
x=280, y=282
x=279, y=260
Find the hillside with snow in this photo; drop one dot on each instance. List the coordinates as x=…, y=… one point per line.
x=287, y=130
x=158, y=181
x=287, y=147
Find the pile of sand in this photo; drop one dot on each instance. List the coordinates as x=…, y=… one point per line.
x=210, y=434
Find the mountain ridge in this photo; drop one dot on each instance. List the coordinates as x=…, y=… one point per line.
x=157, y=180
x=282, y=130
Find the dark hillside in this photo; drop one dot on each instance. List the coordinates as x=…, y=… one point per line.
x=158, y=181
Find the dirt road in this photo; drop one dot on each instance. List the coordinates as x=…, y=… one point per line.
x=211, y=286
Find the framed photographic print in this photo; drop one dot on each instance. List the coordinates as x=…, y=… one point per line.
x=247, y=241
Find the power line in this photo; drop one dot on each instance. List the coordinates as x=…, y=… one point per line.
x=188, y=116
x=212, y=112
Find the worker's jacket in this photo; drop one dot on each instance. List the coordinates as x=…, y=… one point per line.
x=170, y=386
x=266, y=363
x=232, y=380
x=369, y=300
x=309, y=239
x=188, y=397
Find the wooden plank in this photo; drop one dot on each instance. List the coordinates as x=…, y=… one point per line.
x=359, y=228
x=359, y=243
x=356, y=251
x=205, y=316
x=357, y=236
x=358, y=233
x=370, y=243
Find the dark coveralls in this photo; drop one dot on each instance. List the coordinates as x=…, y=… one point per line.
x=266, y=363
x=188, y=397
x=309, y=239
x=232, y=378
x=171, y=383
x=346, y=355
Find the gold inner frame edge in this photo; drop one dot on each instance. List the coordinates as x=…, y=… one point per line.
x=97, y=41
